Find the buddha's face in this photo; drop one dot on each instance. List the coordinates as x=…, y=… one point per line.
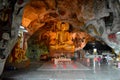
x=62, y=26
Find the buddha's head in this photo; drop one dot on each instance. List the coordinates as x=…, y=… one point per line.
x=62, y=26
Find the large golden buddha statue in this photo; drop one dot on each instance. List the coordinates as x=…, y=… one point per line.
x=63, y=40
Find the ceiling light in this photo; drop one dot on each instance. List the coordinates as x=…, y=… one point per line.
x=118, y=32
x=21, y=27
x=25, y=31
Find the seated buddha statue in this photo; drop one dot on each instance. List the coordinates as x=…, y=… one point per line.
x=63, y=38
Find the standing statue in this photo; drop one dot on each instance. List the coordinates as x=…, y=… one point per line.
x=3, y=44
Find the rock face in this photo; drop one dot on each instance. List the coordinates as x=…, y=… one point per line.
x=76, y=13
x=111, y=35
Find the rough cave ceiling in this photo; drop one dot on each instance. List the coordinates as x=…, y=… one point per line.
x=102, y=14
x=75, y=12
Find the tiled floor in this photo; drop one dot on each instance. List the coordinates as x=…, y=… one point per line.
x=74, y=71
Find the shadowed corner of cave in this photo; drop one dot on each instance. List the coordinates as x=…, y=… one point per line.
x=99, y=45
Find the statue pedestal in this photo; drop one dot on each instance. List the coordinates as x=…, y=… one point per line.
x=57, y=52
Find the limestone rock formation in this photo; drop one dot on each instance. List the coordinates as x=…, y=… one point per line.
x=102, y=15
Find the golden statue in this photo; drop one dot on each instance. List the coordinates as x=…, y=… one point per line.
x=63, y=40
x=63, y=36
x=18, y=54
